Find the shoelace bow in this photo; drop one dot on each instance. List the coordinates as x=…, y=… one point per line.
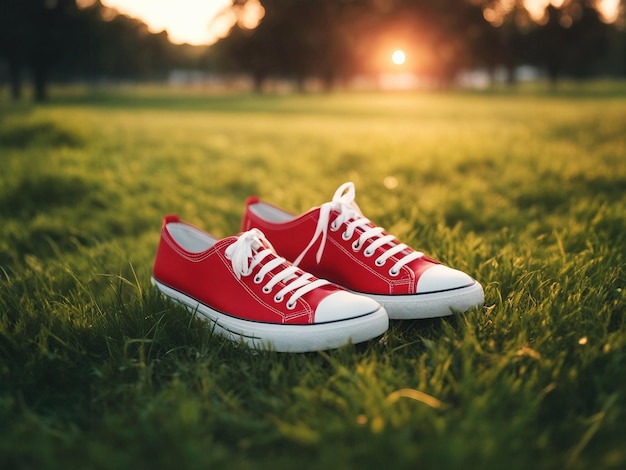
x=349, y=212
x=249, y=251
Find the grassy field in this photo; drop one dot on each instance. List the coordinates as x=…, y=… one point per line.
x=526, y=192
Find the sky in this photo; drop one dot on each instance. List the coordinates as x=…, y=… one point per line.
x=186, y=21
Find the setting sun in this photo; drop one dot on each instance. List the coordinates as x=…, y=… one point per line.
x=398, y=57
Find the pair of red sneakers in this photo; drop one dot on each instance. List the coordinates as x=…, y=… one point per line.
x=338, y=279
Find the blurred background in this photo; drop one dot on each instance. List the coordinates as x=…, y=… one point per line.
x=307, y=45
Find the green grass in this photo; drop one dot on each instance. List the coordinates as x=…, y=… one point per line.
x=526, y=192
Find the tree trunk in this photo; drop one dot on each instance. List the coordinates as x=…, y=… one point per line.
x=258, y=80
x=553, y=76
x=511, y=75
x=15, y=79
x=329, y=81
x=40, y=78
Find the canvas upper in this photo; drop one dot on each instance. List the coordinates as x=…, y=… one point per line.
x=240, y=283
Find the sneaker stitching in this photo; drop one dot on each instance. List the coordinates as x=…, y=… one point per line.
x=399, y=280
x=359, y=262
x=307, y=310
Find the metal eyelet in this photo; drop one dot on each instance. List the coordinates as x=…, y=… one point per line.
x=334, y=227
x=393, y=273
x=258, y=279
x=278, y=299
x=356, y=246
x=345, y=236
x=379, y=263
x=367, y=252
x=291, y=306
x=266, y=290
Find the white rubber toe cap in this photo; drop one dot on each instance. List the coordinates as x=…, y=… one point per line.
x=441, y=278
x=343, y=305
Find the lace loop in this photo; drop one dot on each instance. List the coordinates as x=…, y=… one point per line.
x=348, y=212
x=251, y=249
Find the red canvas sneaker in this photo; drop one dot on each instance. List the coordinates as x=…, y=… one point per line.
x=354, y=253
x=251, y=294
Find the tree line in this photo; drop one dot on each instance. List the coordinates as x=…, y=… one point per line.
x=329, y=40
x=333, y=40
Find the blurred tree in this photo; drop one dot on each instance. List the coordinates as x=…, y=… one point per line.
x=83, y=48
x=12, y=38
x=254, y=51
x=35, y=35
x=296, y=39
x=34, y=32
x=568, y=40
x=58, y=39
x=571, y=41
x=52, y=22
x=510, y=23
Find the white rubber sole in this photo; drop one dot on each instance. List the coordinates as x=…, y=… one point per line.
x=437, y=304
x=285, y=338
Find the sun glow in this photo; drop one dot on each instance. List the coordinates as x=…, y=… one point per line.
x=398, y=57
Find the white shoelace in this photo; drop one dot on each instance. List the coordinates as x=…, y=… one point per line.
x=349, y=213
x=250, y=249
